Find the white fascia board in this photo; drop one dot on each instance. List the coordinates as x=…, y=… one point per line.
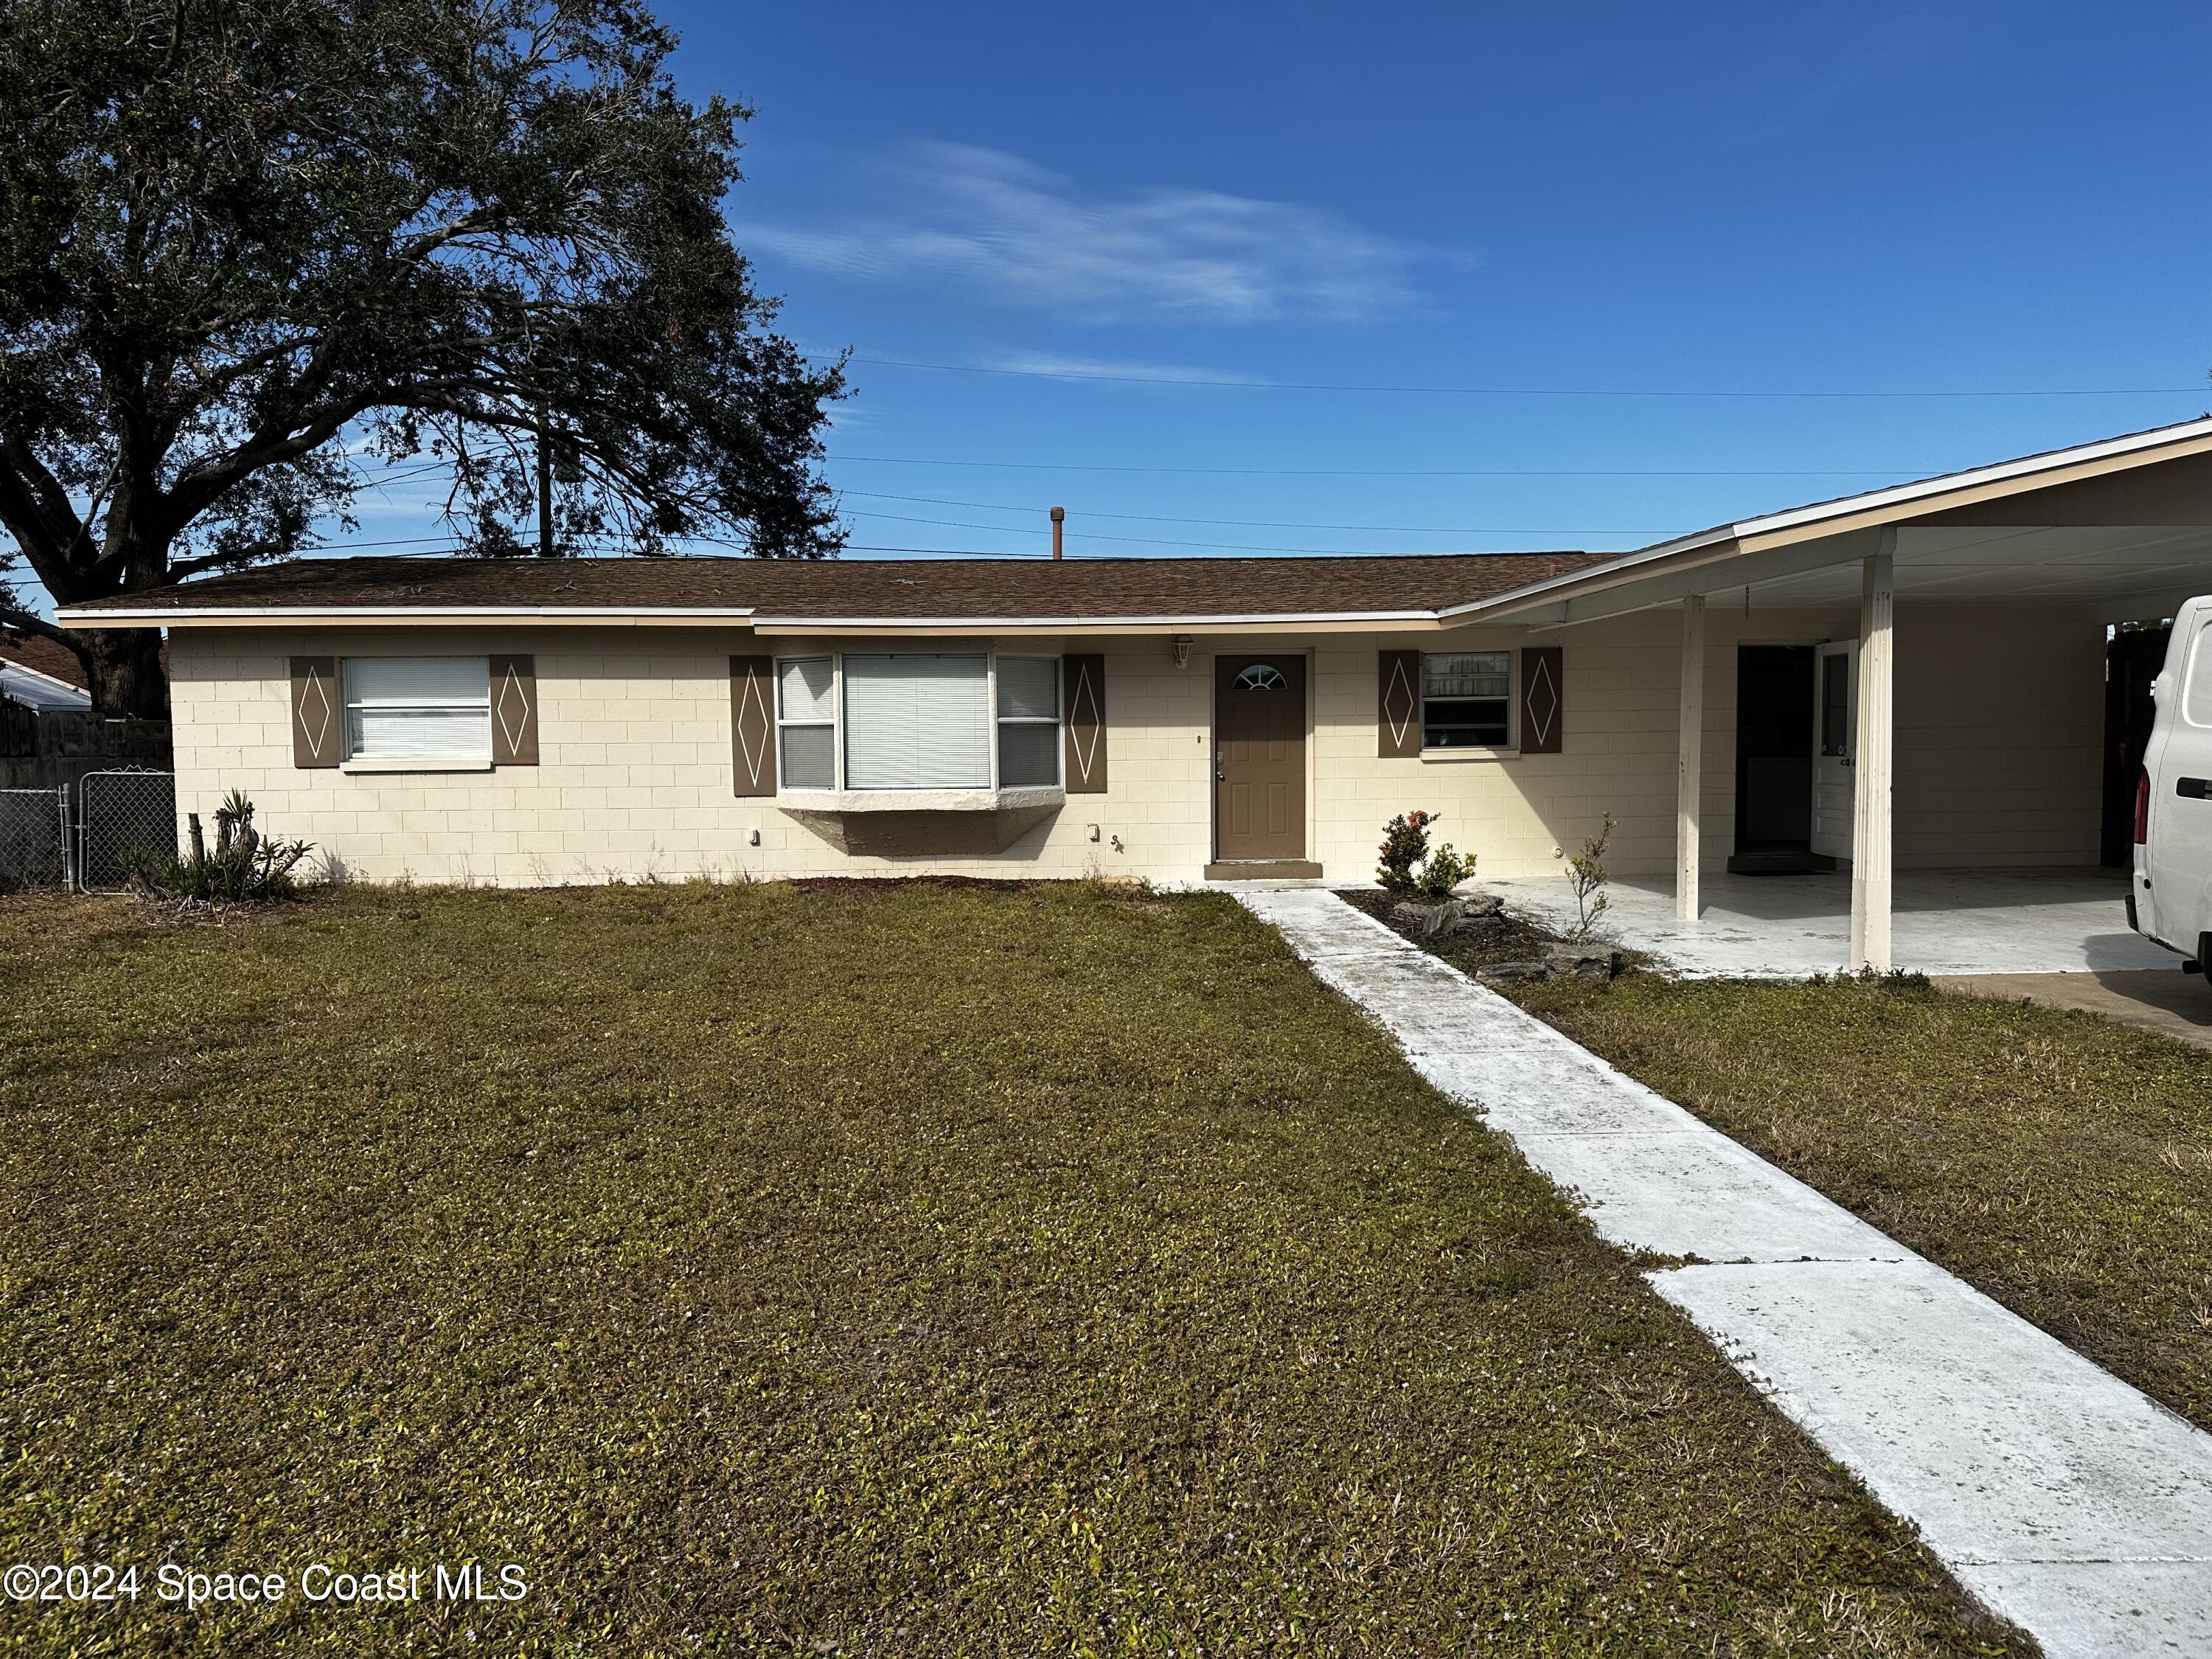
x=1085, y=624
x=234, y=616
x=1893, y=496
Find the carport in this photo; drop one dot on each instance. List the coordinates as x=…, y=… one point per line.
x=1954, y=584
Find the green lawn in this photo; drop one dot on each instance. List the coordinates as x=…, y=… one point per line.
x=2058, y=1161
x=888, y=1271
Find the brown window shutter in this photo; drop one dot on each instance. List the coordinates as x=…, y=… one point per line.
x=1082, y=717
x=1398, y=703
x=1543, y=700
x=318, y=711
x=514, y=711
x=752, y=724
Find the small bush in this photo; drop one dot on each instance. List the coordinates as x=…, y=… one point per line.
x=244, y=869
x=1406, y=846
x=1586, y=875
x=1405, y=843
x=1442, y=871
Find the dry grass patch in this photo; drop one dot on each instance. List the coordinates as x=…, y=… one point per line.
x=869, y=1272
x=2058, y=1161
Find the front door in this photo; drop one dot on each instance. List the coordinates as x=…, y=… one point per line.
x=1835, y=747
x=1260, y=756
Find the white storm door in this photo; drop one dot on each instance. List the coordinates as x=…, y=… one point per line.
x=1835, y=740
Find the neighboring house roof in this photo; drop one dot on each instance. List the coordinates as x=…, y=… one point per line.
x=903, y=592
x=40, y=671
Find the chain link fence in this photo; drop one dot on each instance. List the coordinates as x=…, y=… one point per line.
x=31, y=838
x=120, y=812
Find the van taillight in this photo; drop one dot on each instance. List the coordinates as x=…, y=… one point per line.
x=2142, y=805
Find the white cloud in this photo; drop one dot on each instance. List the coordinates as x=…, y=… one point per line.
x=998, y=224
x=1104, y=368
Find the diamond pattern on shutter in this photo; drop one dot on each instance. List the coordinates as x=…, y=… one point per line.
x=514, y=711
x=1543, y=704
x=315, y=712
x=1084, y=687
x=752, y=725
x=1398, y=703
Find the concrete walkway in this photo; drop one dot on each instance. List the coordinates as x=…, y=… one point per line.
x=2066, y=1501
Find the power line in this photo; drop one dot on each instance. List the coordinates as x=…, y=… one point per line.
x=1404, y=472
x=1243, y=523
x=1246, y=385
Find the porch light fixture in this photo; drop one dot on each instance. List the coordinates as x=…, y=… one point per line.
x=1183, y=650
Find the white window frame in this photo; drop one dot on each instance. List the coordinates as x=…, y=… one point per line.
x=836, y=722
x=837, y=660
x=1057, y=719
x=352, y=760
x=1475, y=750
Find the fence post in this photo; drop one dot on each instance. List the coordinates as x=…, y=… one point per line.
x=69, y=841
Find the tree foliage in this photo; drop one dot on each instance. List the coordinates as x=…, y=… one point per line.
x=251, y=249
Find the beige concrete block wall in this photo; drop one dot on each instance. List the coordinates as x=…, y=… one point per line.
x=2000, y=725
x=634, y=779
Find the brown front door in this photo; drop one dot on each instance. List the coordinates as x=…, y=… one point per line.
x=1260, y=756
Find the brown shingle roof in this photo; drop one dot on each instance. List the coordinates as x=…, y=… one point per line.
x=41, y=656
x=1104, y=589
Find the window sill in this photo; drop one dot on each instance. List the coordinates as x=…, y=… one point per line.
x=919, y=801
x=417, y=763
x=1470, y=754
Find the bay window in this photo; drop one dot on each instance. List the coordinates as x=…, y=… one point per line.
x=867, y=721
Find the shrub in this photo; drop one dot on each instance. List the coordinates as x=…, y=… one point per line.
x=1442, y=871
x=1586, y=876
x=244, y=869
x=1405, y=845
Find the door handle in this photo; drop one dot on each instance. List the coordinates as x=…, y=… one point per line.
x=2193, y=788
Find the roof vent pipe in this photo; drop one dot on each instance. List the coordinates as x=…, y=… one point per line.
x=1059, y=518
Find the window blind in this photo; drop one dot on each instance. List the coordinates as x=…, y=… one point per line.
x=915, y=720
x=418, y=708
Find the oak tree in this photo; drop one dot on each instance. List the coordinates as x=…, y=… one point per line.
x=251, y=250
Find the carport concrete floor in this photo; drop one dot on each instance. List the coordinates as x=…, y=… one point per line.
x=1944, y=921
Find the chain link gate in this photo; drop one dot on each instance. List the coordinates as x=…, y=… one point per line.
x=119, y=813
x=32, y=837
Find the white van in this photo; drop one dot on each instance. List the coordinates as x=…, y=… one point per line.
x=2170, y=896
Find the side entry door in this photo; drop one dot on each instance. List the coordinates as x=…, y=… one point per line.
x=1835, y=744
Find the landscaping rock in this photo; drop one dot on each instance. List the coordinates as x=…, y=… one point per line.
x=1451, y=916
x=1581, y=962
x=1510, y=973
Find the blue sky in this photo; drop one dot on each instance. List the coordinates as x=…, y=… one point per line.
x=1860, y=197
x=1663, y=199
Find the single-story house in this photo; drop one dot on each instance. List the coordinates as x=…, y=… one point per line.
x=1913, y=677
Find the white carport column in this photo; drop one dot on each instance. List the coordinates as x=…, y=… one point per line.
x=1690, y=783
x=1873, y=768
